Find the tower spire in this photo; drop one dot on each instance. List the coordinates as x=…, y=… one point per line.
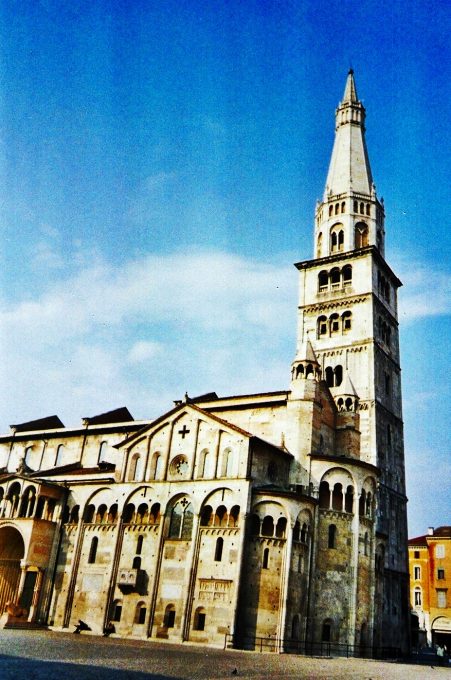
x=349, y=166
x=350, y=216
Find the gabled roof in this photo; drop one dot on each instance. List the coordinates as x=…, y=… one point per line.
x=208, y=416
x=47, y=423
x=118, y=415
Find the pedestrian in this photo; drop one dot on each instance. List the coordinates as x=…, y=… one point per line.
x=440, y=653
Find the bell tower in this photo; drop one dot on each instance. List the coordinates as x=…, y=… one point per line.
x=348, y=312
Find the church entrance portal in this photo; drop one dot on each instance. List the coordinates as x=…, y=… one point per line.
x=12, y=550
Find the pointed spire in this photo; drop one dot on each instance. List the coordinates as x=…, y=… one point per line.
x=350, y=94
x=349, y=169
x=307, y=353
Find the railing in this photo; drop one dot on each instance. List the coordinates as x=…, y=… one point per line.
x=309, y=648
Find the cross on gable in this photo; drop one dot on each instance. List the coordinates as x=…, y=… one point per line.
x=184, y=431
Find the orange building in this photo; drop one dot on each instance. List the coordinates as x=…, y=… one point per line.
x=430, y=587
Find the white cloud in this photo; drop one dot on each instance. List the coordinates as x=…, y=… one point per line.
x=426, y=289
x=142, y=333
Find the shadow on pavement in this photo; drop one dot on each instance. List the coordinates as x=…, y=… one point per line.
x=13, y=667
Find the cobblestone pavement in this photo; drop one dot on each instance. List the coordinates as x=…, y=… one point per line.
x=37, y=655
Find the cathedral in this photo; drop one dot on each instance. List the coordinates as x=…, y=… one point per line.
x=230, y=520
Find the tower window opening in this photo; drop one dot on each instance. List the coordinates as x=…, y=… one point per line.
x=139, y=545
x=323, y=281
x=362, y=208
x=93, y=550
x=417, y=597
x=218, y=549
x=332, y=536
x=265, y=562
x=340, y=240
x=343, y=206
x=322, y=326
x=417, y=573
x=199, y=619
x=334, y=323
x=356, y=206
x=368, y=209
x=324, y=495
x=337, y=208
x=335, y=277
x=346, y=321
x=347, y=274
x=169, y=616
x=361, y=235
x=331, y=210
x=329, y=376
x=338, y=373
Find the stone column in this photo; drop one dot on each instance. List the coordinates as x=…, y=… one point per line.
x=32, y=615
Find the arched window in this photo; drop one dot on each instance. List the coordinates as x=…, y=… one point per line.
x=169, y=616
x=333, y=242
x=139, y=545
x=356, y=206
x=221, y=516
x=417, y=573
x=331, y=210
x=142, y=514
x=296, y=531
x=324, y=495
x=128, y=514
x=346, y=321
x=134, y=473
x=268, y=526
x=337, y=208
x=28, y=455
x=418, y=600
x=93, y=550
x=154, y=517
x=322, y=326
x=112, y=514
x=229, y=463
x=323, y=281
x=206, y=517
x=341, y=240
x=59, y=455
x=368, y=209
x=199, y=618
x=181, y=520
x=343, y=206
x=347, y=275
x=265, y=561
x=140, y=613
x=337, y=497
x=234, y=516
x=334, y=323
x=326, y=631
x=335, y=277
x=74, y=513
x=101, y=514
x=117, y=611
x=304, y=533
x=89, y=513
x=332, y=536
x=136, y=562
x=218, y=549
x=102, y=452
x=329, y=372
x=157, y=465
x=368, y=509
x=361, y=235
x=338, y=374
x=281, y=527
x=362, y=208
x=207, y=464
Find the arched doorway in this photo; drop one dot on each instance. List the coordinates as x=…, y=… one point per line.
x=12, y=550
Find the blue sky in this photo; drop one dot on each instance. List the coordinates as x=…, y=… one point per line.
x=159, y=167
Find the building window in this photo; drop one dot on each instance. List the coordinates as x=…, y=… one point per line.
x=136, y=562
x=218, y=549
x=93, y=550
x=140, y=614
x=169, y=616
x=117, y=610
x=332, y=536
x=417, y=573
x=139, y=545
x=59, y=455
x=416, y=554
x=441, y=599
x=102, y=452
x=199, y=619
x=326, y=631
x=440, y=574
x=265, y=564
x=346, y=321
x=440, y=550
x=181, y=520
x=417, y=597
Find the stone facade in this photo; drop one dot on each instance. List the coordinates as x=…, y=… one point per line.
x=277, y=515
